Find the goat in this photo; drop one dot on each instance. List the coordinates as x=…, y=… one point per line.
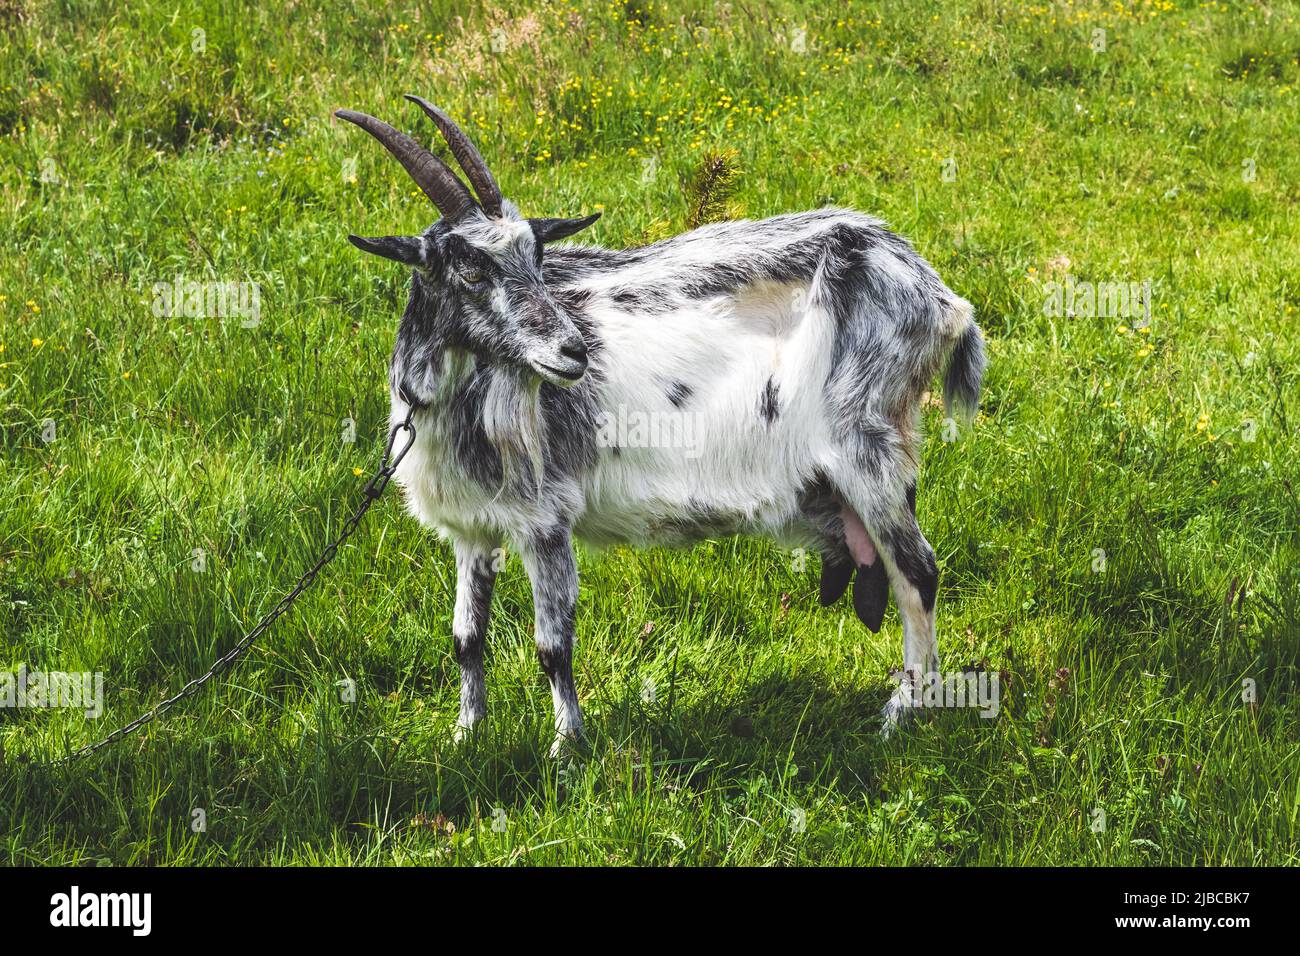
x=796, y=348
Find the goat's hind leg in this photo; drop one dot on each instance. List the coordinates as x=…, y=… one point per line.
x=914, y=575
x=878, y=482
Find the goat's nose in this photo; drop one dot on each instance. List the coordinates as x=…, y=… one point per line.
x=575, y=349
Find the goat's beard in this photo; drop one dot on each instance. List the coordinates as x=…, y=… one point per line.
x=512, y=422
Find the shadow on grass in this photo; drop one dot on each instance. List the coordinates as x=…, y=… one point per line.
x=259, y=788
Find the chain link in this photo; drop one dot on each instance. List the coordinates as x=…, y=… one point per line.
x=369, y=494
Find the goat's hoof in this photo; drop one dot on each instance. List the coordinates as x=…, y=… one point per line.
x=898, y=710
x=462, y=732
x=568, y=744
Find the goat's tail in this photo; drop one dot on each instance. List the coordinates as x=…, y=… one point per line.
x=966, y=362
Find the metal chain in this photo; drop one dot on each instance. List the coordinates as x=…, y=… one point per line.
x=373, y=489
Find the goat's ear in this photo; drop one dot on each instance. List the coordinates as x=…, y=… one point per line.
x=408, y=250
x=550, y=230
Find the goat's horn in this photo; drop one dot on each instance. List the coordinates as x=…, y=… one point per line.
x=470, y=159
x=429, y=172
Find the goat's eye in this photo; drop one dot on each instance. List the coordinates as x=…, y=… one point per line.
x=472, y=276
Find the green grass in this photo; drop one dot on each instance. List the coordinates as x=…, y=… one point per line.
x=1173, y=449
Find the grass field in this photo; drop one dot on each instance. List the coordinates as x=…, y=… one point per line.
x=1118, y=532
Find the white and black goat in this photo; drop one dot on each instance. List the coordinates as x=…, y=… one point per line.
x=799, y=347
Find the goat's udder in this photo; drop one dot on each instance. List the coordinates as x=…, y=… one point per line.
x=859, y=542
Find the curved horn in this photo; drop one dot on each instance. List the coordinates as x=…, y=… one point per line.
x=429, y=172
x=470, y=159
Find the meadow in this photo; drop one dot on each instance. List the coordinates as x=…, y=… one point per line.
x=1118, y=531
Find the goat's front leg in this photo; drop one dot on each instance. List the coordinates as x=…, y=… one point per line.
x=476, y=572
x=553, y=570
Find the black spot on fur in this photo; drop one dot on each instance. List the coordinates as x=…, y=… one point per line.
x=768, y=406
x=469, y=653
x=557, y=663
x=915, y=559
x=679, y=393
x=642, y=299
